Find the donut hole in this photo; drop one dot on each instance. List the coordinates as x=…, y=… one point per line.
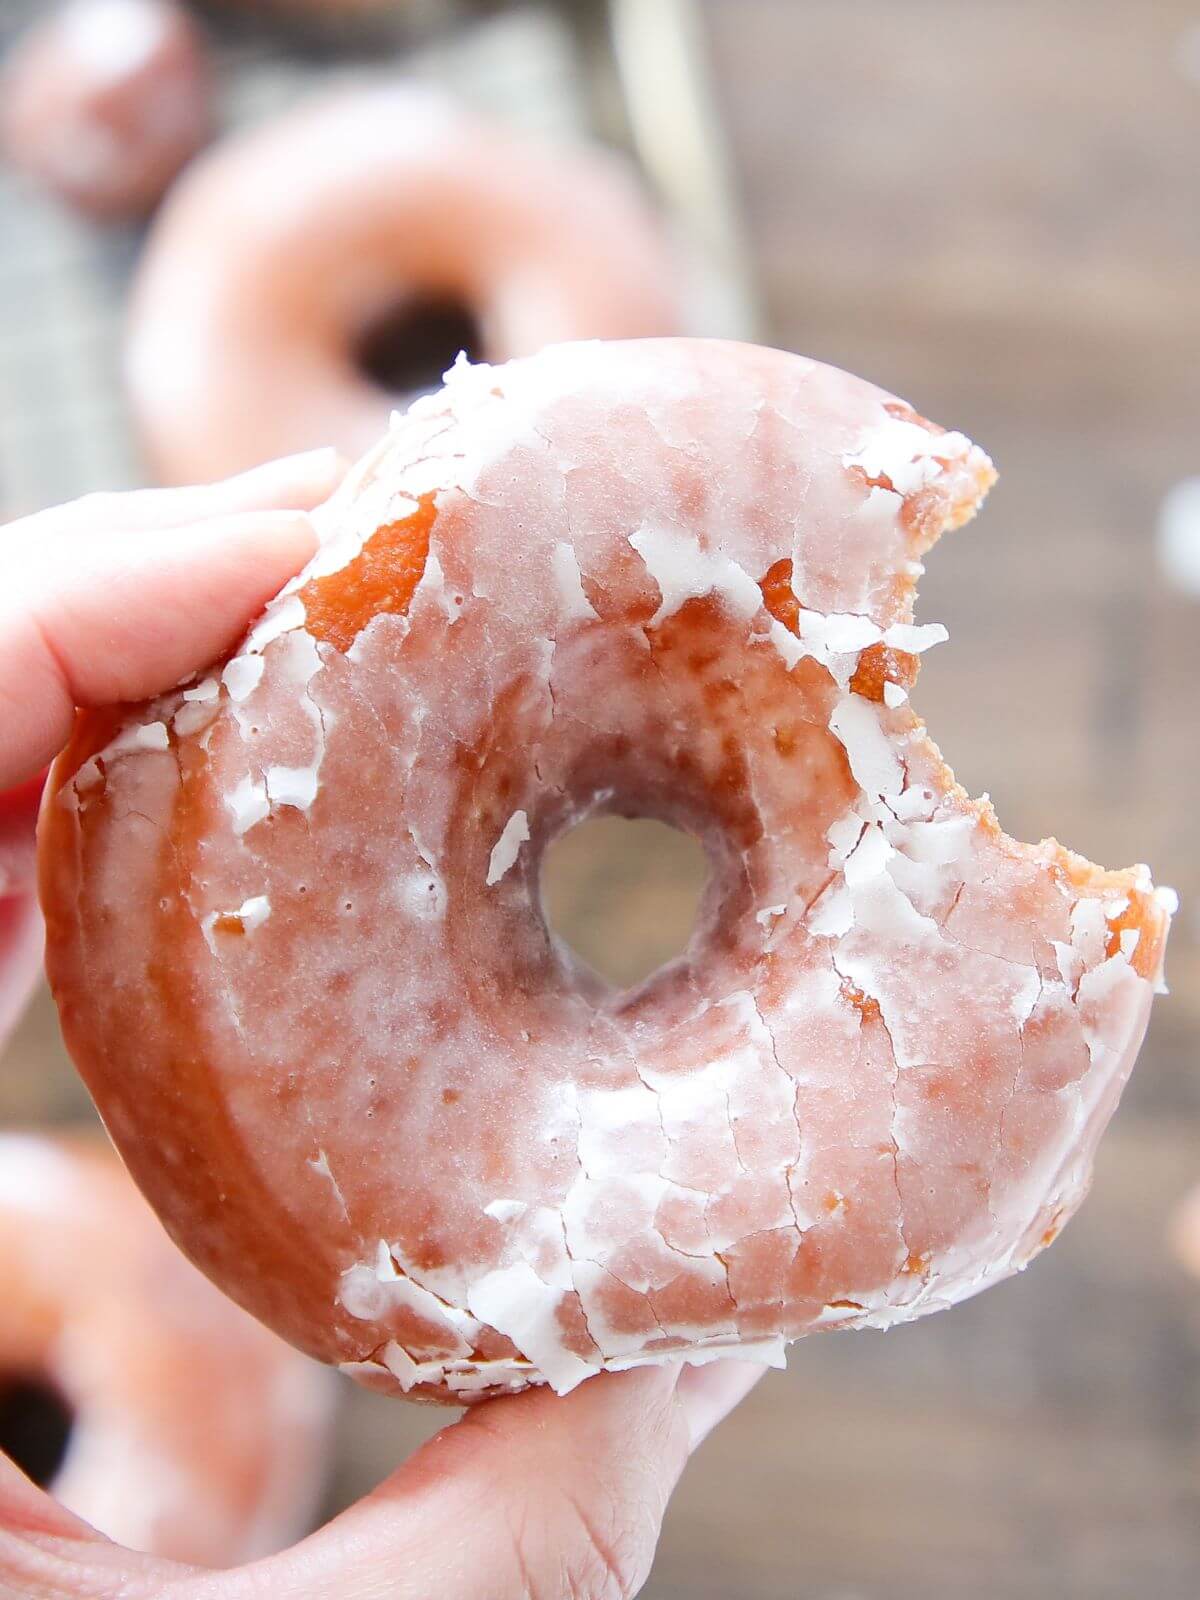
x=624, y=894
x=409, y=347
x=35, y=1426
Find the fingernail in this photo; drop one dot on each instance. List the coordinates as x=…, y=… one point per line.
x=238, y=525
x=326, y=459
x=287, y=537
x=286, y=518
x=708, y=1394
x=306, y=464
x=307, y=467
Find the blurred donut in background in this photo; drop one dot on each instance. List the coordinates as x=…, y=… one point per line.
x=105, y=100
x=306, y=277
x=130, y=1388
x=20, y=919
x=1185, y=1232
x=343, y=8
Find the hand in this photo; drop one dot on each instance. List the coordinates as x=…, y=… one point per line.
x=114, y=598
x=119, y=597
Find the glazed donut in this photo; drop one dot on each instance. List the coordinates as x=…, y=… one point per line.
x=371, y=216
x=364, y=1086
x=194, y=1433
x=105, y=101
x=20, y=919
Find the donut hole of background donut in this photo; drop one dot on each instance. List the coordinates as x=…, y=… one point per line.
x=35, y=1426
x=407, y=349
x=624, y=893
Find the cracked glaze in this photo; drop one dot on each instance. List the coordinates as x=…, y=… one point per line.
x=296, y=937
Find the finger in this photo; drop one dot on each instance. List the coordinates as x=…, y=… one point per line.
x=26, y=1509
x=526, y=1496
x=295, y=483
x=127, y=618
x=708, y=1394
x=48, y=1552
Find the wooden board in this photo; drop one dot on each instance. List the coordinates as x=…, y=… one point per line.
x=992, y=209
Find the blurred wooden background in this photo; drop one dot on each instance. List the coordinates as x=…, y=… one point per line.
x=992, y=209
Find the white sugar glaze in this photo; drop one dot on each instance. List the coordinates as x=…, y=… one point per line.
x=393, y=1116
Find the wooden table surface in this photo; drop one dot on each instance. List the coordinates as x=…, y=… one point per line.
x=992, y=209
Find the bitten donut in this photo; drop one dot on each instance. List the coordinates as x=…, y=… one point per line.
x=194, y=1432
x=105, y=100
x=387, y=214
x=295, y=930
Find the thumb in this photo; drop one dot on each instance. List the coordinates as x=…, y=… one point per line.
x=118, y=597
x=531, y=1495
x=98, y=622
x=48, y=1552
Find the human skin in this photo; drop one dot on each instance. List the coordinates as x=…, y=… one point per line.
x=116, y=598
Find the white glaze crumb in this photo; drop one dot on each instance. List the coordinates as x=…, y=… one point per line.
x=206, y=690
x=292, y=786
x=142, y=736
x=519, y=1304
x=1167, y=900
x=914, y=638
x=576, y=607
x=507, y=847
x=242, y=676
x=280, y=617
x=684, y=571
x=767, y=915
x=248, y=804
x=254, y=912
x=906, y=454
